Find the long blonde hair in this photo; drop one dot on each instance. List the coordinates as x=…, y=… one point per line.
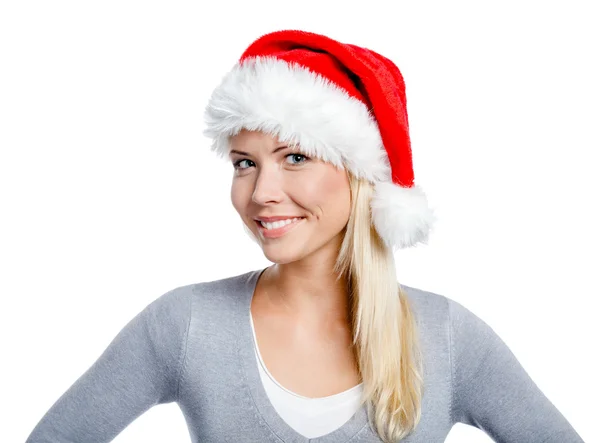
x=385, y=333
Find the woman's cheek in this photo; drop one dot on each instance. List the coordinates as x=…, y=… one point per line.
x=237, y=197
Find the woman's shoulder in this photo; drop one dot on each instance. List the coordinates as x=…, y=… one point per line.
x=230, y=284
x=428, y=306
x=218, y=290
x=433, y=307
x=448, y=322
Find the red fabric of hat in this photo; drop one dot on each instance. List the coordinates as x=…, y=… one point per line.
x=362, y=73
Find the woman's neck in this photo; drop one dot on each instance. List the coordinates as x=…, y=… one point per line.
x=307, y=294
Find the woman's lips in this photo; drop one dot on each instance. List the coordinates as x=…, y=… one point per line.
x=278, y=232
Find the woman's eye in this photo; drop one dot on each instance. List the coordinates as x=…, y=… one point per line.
x=236, y=164
x=298, y=159
x=296, y=156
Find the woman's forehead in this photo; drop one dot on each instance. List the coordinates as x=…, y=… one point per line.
x=258, y=140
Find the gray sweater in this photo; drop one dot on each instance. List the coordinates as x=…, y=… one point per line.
x=193, y=345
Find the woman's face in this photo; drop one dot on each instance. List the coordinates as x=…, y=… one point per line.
x=273, y=179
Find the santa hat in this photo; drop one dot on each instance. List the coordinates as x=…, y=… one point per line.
x=338, y=102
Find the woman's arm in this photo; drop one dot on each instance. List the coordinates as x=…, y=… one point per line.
x=493, y=392
x=139, y=369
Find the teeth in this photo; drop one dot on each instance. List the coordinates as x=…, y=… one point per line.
x=279, y=223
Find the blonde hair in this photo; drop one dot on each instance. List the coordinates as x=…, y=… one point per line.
x=385, y=334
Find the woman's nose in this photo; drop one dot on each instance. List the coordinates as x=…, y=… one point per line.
x=268, y=186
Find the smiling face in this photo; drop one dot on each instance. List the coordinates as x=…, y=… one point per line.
x=273, y=179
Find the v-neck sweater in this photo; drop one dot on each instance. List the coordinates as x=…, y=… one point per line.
x=194, y=346
x=311, y=417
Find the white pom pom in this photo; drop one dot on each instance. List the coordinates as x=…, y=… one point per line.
x=401, y=215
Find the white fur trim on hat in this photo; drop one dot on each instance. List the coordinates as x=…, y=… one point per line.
x=401, y=215
x=298, y=106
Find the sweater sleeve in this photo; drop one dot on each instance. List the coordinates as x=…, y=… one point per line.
x=493, y=392
x=139, y=369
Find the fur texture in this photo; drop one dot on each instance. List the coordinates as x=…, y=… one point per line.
x=401, y=215
x=298, y=106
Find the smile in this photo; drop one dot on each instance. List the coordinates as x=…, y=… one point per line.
x=278, y=228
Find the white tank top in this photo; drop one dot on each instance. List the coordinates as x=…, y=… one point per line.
x=311, y=417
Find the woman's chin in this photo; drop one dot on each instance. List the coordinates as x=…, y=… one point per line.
x=283, y=253
x=280, y=257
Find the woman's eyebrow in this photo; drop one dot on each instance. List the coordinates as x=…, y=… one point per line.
x=235, y=151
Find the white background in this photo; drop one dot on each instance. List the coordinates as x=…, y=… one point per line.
x=110, y=196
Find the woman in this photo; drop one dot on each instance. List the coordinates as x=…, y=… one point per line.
x=324, y=345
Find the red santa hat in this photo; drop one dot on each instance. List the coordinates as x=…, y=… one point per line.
x=338, y=102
